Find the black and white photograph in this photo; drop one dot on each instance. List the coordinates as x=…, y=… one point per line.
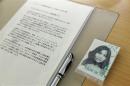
x=98, y=59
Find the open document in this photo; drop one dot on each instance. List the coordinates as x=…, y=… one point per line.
x=36, y=41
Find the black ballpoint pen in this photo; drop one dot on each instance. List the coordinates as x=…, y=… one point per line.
x=62, y=70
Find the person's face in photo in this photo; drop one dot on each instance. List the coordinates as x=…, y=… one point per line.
x=101, y=56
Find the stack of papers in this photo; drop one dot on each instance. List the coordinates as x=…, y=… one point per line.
x=35, y=42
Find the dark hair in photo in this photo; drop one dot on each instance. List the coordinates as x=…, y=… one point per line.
x=91, y=57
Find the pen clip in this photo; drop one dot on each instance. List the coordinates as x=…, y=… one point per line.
x=70, y=56
x=69, y=64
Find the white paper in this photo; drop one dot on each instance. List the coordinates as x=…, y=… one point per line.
x=37, y=39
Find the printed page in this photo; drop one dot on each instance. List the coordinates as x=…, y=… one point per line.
x=37, y=39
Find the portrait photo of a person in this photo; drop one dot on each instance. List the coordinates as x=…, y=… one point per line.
x=98, y=59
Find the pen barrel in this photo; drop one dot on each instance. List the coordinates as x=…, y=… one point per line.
x=56, y=80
